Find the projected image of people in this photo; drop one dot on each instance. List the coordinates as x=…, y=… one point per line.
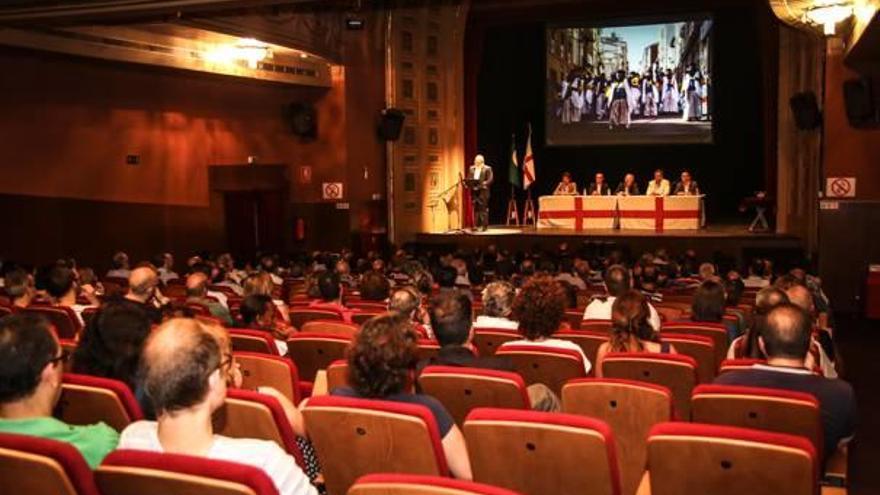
x=644, y=83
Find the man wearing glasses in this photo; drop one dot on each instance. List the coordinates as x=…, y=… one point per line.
x=31, y=366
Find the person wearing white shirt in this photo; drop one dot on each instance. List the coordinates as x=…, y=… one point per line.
x=497, y=301
x=617, y=283
x=659, y=186
x=539, y=308
x=185, y=378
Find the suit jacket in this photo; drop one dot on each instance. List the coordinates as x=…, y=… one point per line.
x=605, y=190
x=486, y=178
x=693, y=190
x=632, y=190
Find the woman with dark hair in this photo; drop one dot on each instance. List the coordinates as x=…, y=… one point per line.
x=539, y=308
x=631, y=330
x=381, y=365
x=708, y=306
x=259, y=313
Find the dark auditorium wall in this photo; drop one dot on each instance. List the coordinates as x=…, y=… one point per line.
x=510, y=93
x=68, y=123
x=848, y=239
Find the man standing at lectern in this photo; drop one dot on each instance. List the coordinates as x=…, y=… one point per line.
x=482, y=174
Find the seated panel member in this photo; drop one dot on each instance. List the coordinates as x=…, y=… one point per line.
x=628, y=187
x=566, y=187
x=659, y=186
x=599, y=187
x=687, y=186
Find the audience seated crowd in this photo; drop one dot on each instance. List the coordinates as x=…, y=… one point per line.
x=164, y=334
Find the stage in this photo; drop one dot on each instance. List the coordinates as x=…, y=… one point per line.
x=731, y=239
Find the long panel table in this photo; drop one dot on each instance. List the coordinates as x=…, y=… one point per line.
x=656, y=213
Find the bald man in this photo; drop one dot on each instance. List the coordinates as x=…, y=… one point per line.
x=785, y=340
x=143, y=290
x=197, y=293
x=801, y=297
x=482, y=174
x=185, y=376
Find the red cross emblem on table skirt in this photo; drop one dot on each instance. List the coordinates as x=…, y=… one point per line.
x=660, y=214
x=578, y=214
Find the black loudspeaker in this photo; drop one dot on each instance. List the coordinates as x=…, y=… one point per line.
x=303, y=120
x=805, y=108
x=391, y=124
x=859, y=102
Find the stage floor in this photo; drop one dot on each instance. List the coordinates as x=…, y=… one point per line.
x=733, y=239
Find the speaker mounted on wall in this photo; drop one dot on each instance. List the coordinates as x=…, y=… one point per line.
x=391, y=124
x=805, y=108
x=302, y=119
x=861, y=108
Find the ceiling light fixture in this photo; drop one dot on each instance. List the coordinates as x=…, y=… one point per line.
x=827, y=13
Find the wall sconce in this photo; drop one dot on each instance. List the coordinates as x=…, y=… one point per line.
x=827, y=13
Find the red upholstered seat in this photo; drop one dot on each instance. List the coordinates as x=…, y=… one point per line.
x=573, y=318
x=541, y=364
x=300, y=316
x=39, y=466
x=361, y=317
x=588, y=340
x=312, y=352
x=88, y=399
x=134, y=472
x=386, y=436
x=463, y=389
x=253, y=341
x=599, y=326
x=676, y=372
x=337, y=374
x=701, y=348
x=538, y=453
x=62, y=318
x=428, y=348
x=686, y=458
x=715, y=331
x=248, y=414
x=630, y=408
x=265, y=370
x=5, y=311
x=330, y=327
x=738, y=364
x=488, y=340
x=413, y=484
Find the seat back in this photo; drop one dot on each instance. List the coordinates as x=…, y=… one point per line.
x=540, y=364
x=738, y=364
x=630, y=409
x=387, y=436
x=540, y=453
x=244, y=340
x=337, y=374
x=88, y=314
x=88, y=399
x=599, y=326
x=258, y=370
x=462, y=389
x=361, y=317
x=668, y=313
x=62, y=318
x=312, y=352
x=414, y=484
x=676, y=372
x=488, y=340
x=39, y=466
x=330, y=327
x=573, y=318
x=702, y=349
x=135, y=472
x=715, y=331
x=69, y=346
x=247, y=414
x=428, y=348
x=589, y=341
x=301, y=316
x=722, y=460
x=779, y=411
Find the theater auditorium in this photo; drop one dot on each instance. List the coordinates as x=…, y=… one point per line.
x=439, y=247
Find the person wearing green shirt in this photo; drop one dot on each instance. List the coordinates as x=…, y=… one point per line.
x=31, y=367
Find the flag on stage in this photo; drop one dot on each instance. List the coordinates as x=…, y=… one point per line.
x=528, y=163
x=513, y=169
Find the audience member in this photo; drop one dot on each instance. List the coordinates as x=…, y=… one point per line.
x=407, y=301
x=758, y=277
x=120, y=266
x=617, y=283
x=164, y=263
x=61, y=289
x=19, y=285
x=785, y=340
x=197, y=292
x=746, y=345
x=31, y=368
x=631, y=330
x=185, y=376
x=331, y=292
x=539, y=309
x=708, y=306
x=374, y=287
x=381, y=365
x=143, y=289
x=258, y=313
x=823, y=350
x=497, y=307
x=261, y=283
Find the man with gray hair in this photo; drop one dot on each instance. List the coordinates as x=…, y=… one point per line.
x=408, y=302
x=143, y=290
x=497, y=303
x=197, y=293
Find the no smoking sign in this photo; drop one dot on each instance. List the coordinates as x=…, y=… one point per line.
x=331, y=190
x=840, y=187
